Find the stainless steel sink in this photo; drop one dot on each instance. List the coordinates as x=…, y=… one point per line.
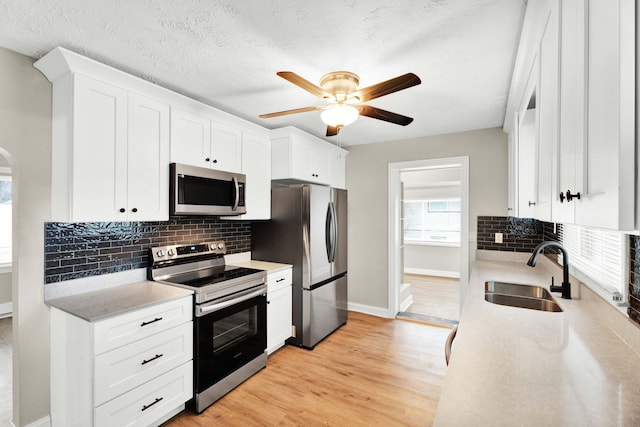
x=523, y=296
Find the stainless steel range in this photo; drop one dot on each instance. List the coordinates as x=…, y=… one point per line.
x=230, y=315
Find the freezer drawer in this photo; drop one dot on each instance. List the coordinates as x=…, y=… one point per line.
x=327, y=310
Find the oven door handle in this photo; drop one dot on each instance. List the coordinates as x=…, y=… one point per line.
x=201, y=310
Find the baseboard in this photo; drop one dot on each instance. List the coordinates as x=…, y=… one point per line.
x=6, y=309
x=42, y=422
x=369, y=309
x=406, y=303
x=429, y=272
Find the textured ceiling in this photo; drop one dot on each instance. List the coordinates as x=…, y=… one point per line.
x=226, y=53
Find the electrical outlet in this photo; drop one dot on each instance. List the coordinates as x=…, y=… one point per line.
x=498, y=237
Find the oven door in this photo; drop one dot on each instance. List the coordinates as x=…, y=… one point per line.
x=229, y=332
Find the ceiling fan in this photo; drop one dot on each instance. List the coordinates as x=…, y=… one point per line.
x=344, y=101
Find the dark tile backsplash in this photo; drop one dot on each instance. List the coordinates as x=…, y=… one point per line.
x=518, y=234
x=75, y=250
x=634, y=279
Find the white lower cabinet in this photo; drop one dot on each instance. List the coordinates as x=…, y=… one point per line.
x=279, y=315
x=133, y=369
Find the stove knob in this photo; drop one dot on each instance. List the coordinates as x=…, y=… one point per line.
x=159, y=254
x=170, y=252
x=213, y=246
x=220, y=246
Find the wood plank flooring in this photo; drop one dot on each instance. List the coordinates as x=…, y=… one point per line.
x=434, y=296
x=370, y=372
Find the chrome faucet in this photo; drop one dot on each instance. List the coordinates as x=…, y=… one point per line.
x=565, y=288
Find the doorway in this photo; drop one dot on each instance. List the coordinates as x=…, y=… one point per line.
x=431, y=244
x=431, y=272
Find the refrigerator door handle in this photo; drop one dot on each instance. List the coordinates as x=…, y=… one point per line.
x=331, y=232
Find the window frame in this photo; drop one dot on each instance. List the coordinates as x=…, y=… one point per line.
x=7, y=266
x=426, y=204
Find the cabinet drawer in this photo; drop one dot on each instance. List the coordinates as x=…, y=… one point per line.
x=130, y=327
x=127, y=367
x=279, y=280
x=145, y=405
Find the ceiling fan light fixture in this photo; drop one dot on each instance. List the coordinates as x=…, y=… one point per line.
x=340, y=115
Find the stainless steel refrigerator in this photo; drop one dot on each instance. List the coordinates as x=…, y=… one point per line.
x=308, y=229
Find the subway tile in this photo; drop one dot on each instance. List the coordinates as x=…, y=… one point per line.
x=90, y=249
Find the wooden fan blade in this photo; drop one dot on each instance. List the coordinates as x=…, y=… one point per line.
x=303, y=83
x=380, y=114
x=385, y=88
x=333, y=130
x=294, y=111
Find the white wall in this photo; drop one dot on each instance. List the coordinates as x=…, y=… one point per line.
x=432, y=260
x=5, y=289
x=25, y=141
x=367, y=169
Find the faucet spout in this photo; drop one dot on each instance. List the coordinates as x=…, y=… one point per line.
x=565, y=288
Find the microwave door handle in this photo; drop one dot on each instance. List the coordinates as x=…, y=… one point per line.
x=236, y=188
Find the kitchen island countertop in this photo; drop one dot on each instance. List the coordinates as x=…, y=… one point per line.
x=519, y=367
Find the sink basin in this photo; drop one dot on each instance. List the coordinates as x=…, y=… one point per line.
x=522, y=296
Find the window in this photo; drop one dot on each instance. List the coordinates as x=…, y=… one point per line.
x=432, y=221
x=5, y=218
x=597, y=258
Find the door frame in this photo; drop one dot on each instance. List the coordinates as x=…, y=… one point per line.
x=395, y=233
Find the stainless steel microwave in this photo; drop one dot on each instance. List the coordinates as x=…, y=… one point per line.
x=201, y=191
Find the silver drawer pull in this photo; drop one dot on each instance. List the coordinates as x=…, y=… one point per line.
x=157, y=319
x=145, y=407
x=157, y=356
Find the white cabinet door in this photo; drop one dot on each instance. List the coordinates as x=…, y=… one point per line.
x=568, y=165
x=608, y=181
x=226, y=148
x=148, y=159
x=309, y=161
x=99, y=169
x=527, y=174
x=256, y=165
x=337, y=167
x=547, y=102
x=190, y=138
x=278, y=318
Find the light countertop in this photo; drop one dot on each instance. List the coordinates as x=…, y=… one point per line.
x=103, y=303
x=270, y=267
x=518, y=367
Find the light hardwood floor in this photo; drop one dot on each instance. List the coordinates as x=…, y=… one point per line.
x=370, y=372
x=434, y=296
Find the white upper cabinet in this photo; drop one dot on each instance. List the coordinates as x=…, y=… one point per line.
x=256, y=165
x=190, y=138
x=199, y=141
x=109, y=151
x=607, y=155
x=299, y=156
x=147, y=158
x=114, y=135
x=526, y=164
x=547, y=98
x=586, y=109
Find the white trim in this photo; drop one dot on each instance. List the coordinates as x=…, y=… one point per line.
x=431, y=272
x=394, y=233
x=6, y=309
x=406, y=303
x=368, y=309
x=429, y=243
x=42, y=422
